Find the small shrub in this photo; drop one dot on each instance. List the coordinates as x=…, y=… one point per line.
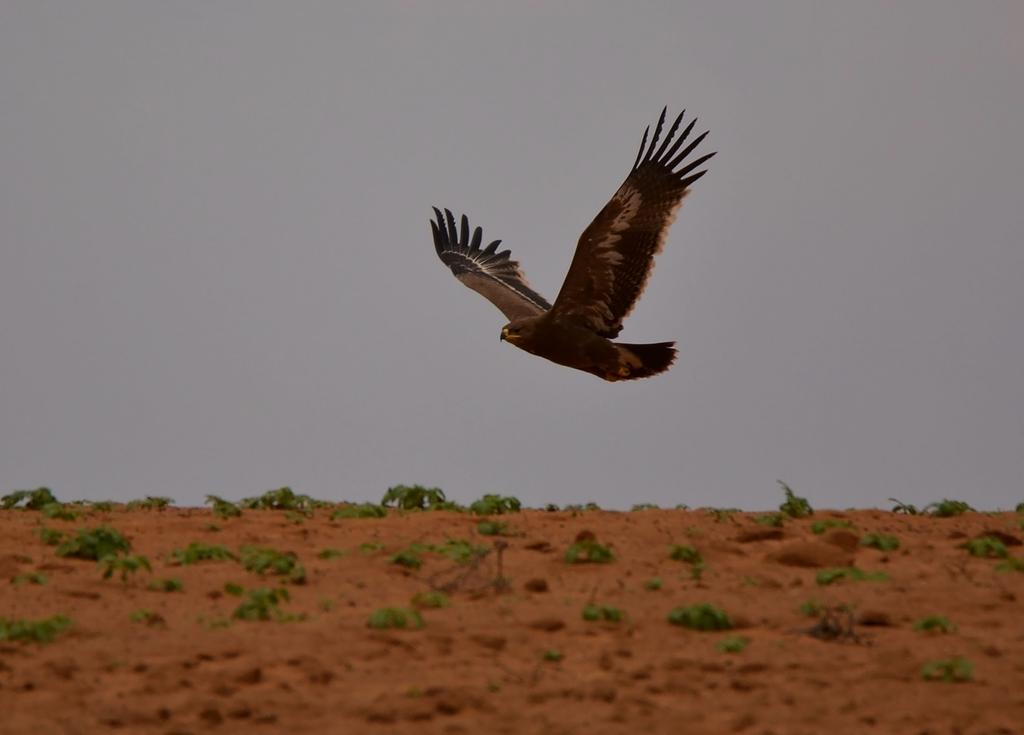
x=774, y=520
x=819, y=527
x=126, y=564
x=35, y=631
x=409, y=558
x=811, y=608
x=395, y=617
x=197, y=551
x=417, y=497
x=270, y=561
x=283, y=498
x=59, y=512
x=233, y=589
x=733, y=644
x=880, y=541
x=358, y=510
x=492, y=528
x=794, y=506
x=700, y=617
x=94, y=544
x=935, y=624
x=490, y=505
x=687, y=554
x=430, y=599
x=1019, y=508
x=50, y=536
x=593, y=613
x=958, y=669
x=588, y=551
x=370, y=547
x=722, y=515
x=99, y=506
x=223, y=508
x=643, y=506
x=150, y=502
x=904, y=508
x=552, y=655
x=830, y=576
x=264, y=603
x=332, y=553
x=166, y=585
x=148, y=617
x=1011, y=564
x=946, y=508
x=987, y=547
x=460, y=550
x=653, y=584
x=28, y=578
x=33, y=499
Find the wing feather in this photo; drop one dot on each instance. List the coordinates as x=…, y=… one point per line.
x=488, y=272
x=615, y=254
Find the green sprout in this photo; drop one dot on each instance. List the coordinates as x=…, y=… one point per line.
x=35, y=631
x=588, y=551
x=811, y=608
x=722, y=515
x=987, y=547
x=430, y=599
x=958, y=669
x=1011, y=564
x=409, y=558
x=653, y=584
x=819, y=527
x=166, y=585
x=946, y=508
x=198, y=551
x=492, y=528
x=880, y=541
x=836, y=574
x=94, y=544
x=332, y=553
x=552, y=655
x=28, y=578
x=733, y=644
x=126, y=564
x=689, y=555
x=593, y=613
x=264, y=603
x=794, y=506
x=491, y=505
x=223, y=508
x=233, y=589
x=370, y=547
x=50, y=536
x=148, y=617
x=700, y=617
x=395, y=617
x=935, y=624
x=774, y=520
x=460, y=550
x=270, y=561
x=358, y=510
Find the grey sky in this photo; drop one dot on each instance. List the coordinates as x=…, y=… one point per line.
x=216, y=272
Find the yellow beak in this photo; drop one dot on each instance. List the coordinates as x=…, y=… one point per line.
x=504, y=334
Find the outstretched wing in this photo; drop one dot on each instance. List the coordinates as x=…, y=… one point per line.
x=615, y=254
x=486, y=271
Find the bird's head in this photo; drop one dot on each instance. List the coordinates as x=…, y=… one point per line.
x=516, y=331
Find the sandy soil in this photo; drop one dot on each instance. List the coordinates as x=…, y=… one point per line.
x=478, y=666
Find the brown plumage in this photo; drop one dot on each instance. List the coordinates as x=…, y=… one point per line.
x=613, y=260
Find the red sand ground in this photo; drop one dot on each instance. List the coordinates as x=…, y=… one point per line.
x=477, y=667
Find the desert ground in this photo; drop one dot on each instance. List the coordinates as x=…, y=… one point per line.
x=531, y=621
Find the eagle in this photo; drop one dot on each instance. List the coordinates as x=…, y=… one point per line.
x=613, y=261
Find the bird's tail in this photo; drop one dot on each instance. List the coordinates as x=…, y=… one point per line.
x=643, y=361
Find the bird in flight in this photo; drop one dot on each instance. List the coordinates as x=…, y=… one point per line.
x=613, y=260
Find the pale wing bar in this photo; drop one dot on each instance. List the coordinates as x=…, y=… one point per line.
x=490, y=273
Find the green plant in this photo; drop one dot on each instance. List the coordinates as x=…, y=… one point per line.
x=430, y=599
x=653, y=584
x=1011, y=564
x=50, y=536
x=284, y=498
x=59, y=512
x=332, y=553
x=370, y=547
x=957, y=669
x=198, y=551
x=28, y=578
x=149, y=617
x=700, y=617
x=395, y=617
x=34, y=499
x=409, y=558
x=588, y=551
x=36, y=631
x=1019, y=508
x=643, y=506
x=235, y=590
x=270, y=561
x=358, y=510
x=946, y=508
x=593, y=612
x=733, y=644
x=126, y=564
x=460, y=550
x=552, y=655
x=492, y=528
x=264, y=603
x=819, y=527
x=686, y=554
x=94, y=544
x=836, y=574
x=721, y=515
x=417, y=497
x=492, y=504
x=904, y=508
x=774, y=520
x=986, y=546
x=99, y=506
x=935, y=624
x=811, y=608
x=880, y=541
x=150, y=502
x=166, y=585
x=223, y=508
x=794, y=506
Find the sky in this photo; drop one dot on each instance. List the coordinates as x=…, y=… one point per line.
x=217, y=275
